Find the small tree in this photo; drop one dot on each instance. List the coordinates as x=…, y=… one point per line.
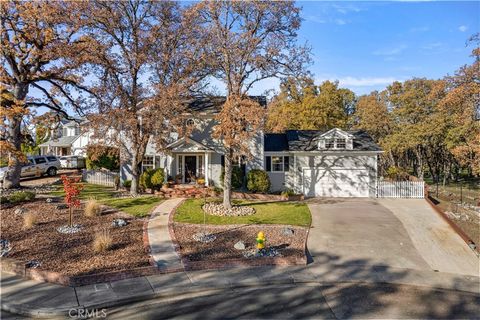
x=72, y=190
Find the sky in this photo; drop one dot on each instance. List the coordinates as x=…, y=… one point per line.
x=368, y=45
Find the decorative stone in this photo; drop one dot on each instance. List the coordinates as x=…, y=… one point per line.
x=33, y=264
x=61, y=206
x=239, y=245
x=20, y=211
x=4, y=247
x=70, y=230
x=267, y=252
x=204, y=237
x=119, y=223
x=288, y=231
x=217, y=209
x=49, y=200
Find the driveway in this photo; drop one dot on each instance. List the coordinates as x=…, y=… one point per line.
x=398, y=233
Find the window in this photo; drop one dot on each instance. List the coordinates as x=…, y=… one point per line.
x=50, y=158
x=277, y=163
x=337, y=143
x=341, y=144
x=77, y=131
x=40, y=160
x=147, y=163
x=329, y=143
x=65, y=132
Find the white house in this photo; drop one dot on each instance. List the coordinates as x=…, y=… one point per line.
x=335, y=163
x=67, y=140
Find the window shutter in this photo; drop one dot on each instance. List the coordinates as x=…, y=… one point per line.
x=268, y=162
x=286, y=163
x=222, y=161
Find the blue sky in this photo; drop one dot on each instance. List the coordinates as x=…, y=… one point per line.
x=367, y=45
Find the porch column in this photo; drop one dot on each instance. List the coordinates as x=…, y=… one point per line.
x=206, y=168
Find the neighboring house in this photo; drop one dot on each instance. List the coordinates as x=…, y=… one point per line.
x=335, y=163
x=67, y=140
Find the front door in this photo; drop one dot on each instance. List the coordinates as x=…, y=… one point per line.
x=190, y=169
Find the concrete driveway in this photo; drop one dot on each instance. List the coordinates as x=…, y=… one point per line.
x=398, y=233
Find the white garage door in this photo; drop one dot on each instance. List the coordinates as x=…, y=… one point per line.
x=336, y=182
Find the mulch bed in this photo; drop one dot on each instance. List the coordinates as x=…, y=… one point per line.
x=72, y=254
x=227, y=235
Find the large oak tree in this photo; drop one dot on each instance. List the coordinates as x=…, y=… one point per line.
x=41, y=49
x=251, y=41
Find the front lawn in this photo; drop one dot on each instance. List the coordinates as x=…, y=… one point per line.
x=291, y=213
x=138, y=207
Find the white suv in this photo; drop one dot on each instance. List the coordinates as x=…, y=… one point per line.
x=36, y=166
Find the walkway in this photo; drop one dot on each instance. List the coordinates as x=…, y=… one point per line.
x=161, y=246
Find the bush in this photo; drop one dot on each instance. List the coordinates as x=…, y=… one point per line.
x=287, y=193
x=29, y=220
x=237, y=177
x=127, y=183
x=102, y=157
x=158, y=178
x=258, y=181
x=21, y=196
x=92, y=208
x=102, y=241
x=397, y=173
x=146, y=179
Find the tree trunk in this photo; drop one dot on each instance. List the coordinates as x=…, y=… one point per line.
x=227, y=180
x=12, y=179
x=135, y=176
x=418, y=153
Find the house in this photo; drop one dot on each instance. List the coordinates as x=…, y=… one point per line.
x=334, y=163
x=68, y=139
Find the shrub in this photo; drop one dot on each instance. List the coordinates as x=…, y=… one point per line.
x=158, y=178
x=127, y=183
x=99, y=156
x=29, y=220
x=21, y=196
x=258, y=181
x=287, y=192
x=146, y=179
x=237, y=177
x=92, y=208
x=397, y=173
x=102, y=241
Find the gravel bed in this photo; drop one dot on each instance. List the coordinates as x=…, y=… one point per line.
x=72, y=254
x=278, y=243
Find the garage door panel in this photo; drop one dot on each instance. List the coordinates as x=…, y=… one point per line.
x=336, y=183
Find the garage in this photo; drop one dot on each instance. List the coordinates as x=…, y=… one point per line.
x=321, y=182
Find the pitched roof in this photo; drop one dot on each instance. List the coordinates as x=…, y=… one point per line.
x=212, y=104
x=307, y=140
x=60, y=142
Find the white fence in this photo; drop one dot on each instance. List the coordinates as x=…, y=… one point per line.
x=101, y=177
x=401, y=189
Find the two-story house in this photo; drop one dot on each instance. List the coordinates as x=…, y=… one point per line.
x=332, y=163
x=67, y=139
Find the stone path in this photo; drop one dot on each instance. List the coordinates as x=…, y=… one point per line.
x=162, y=249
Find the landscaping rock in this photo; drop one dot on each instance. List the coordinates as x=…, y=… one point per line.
x=204, y=237
x=289, y=232
x=33, y=264
x=239, y=245
x=4, y=247
x=20, y=211
x=267, y=252
x=61, y=206
x=217, y=209
x=51, y=200
x=119, y=223
x=70, y=230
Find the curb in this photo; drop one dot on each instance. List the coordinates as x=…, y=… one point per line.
x=39, y=312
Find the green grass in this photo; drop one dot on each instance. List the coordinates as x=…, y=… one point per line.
x=292, y=213
x=138, y=207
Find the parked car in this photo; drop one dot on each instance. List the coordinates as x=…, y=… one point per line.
x=36, y=166
x=72, y=162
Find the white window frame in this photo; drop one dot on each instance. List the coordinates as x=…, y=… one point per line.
x=148, y=166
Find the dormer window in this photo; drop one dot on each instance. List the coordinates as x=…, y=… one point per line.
x=336, y=139
x=335, y=143
x=340, y=144
x=329, y=143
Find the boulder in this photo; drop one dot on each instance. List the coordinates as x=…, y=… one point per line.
x=239, y=245
x=289, y=232
x=20, y=211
